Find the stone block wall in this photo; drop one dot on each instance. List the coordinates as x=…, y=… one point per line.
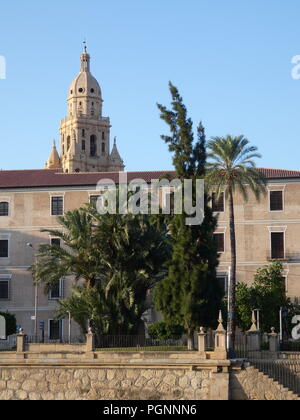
x=251, y=384
x=111, y=383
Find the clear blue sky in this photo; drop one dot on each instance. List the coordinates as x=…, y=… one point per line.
x=231, y=61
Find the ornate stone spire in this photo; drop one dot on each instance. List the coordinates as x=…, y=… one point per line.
x=116, y=162
x=54, y=160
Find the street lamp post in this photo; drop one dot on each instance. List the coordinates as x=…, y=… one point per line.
x=35, y=297
x=257, y=318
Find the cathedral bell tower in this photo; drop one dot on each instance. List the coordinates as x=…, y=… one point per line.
x=85, y=133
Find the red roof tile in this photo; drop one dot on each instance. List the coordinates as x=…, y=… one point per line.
x=39, y=178
x=53, y=178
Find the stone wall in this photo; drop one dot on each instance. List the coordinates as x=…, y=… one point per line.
x=111, y=383
x=251, y=384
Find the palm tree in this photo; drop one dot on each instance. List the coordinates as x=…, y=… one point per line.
x=118, y=258
x=231, y=167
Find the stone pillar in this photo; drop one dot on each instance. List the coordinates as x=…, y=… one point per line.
x=220, y=340
x=90, y=344
x=253, y=336
x=20, y=344
x=201, y=340
x=273, y=341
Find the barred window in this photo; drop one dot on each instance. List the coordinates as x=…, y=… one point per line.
x=277, y=245
x=218, y=203
x=57, y=206
x=56, y=291
x=55, y=329
x=4, y=248
x=276, y=200
x=4, y=208
x=4, y=289
x=219, y=241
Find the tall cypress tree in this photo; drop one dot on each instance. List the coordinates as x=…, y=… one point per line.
x=190, y=294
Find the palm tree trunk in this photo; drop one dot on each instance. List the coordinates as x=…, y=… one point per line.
x=231, y=326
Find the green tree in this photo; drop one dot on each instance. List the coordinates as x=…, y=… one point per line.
x=189, y=295
x=232, y=168
x=163, y=331
x=268, y=293
x=116, y=259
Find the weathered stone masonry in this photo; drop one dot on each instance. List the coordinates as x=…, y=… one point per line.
x=113, y=383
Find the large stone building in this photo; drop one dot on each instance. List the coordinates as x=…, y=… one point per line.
x=31, y=200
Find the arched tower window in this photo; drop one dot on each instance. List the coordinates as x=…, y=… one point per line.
x=93, y=145
x=103, y=148
x=68, y=142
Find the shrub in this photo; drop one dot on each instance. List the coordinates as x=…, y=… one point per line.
x=164, y=331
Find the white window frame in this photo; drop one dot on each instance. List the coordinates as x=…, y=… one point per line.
x=5, y=200
x=57, y=196
x=61, y=294
x=224, y=236
x=62, y=327
x=224, y=203
x=5, y=237
x=225, y=276
x=283, y=200
x=54, y=237
x=7, y=278
x=278, y=230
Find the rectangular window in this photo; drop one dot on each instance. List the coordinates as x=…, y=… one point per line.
x=55, y=329
x=83, y=145
x=4, y=208
x=222, y=280
x=219, y=241
x=218, y=203
x=83, y=133
x=57, y=206
x=277, y=245
x=55, y=241
x=56, y=291
x=284, y=282
x=4, y=289
x=4, y=248
x=93, y=199
x=276, y=200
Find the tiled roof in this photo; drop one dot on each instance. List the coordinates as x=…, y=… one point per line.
x=279, y=173
x=52, y=178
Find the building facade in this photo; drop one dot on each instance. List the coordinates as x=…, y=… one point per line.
x=266, y=230
x=32, y=200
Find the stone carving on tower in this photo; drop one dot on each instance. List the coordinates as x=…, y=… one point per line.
x=53, y=161
x=85, y=133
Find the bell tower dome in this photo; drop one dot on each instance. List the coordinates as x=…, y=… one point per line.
x=85, y=133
